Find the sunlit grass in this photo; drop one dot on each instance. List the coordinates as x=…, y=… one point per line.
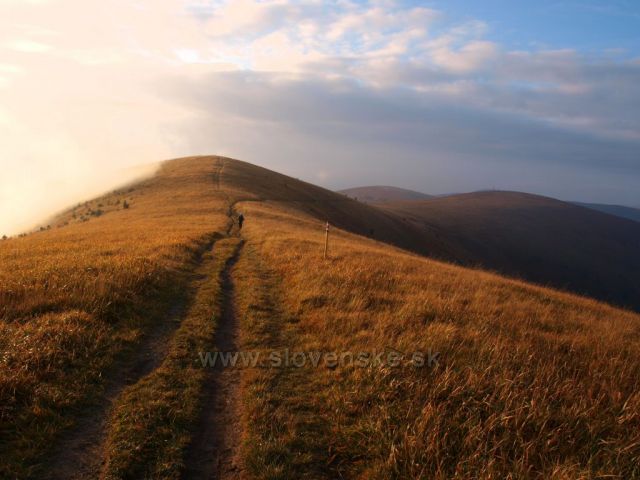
x=530, y=382
x=76, y=296
x=150, y=428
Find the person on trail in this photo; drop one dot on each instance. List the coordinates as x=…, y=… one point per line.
x=240, y=221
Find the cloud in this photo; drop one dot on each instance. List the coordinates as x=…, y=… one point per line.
x=28, y=46
x=346, y=110
x=356, y=134
x=334, y=91
x=466, y=59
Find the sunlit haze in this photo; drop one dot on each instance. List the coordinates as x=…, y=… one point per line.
x=437, y=96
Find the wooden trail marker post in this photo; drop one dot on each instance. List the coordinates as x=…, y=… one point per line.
x=326, y=240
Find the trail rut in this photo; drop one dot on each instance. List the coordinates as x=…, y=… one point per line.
x=213, y=453
x=79, y=454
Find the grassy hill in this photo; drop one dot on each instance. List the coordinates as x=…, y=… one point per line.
x=413, y=368
x=534, y=238
x=382, y=193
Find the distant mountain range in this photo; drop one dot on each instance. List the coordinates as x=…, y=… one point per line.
x=377, y=194
x=383, y=193
x=576, y=247
x=536, y=238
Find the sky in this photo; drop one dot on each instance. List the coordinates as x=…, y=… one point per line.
x=436, y=96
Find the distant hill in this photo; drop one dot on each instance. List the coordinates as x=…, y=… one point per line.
x=617, y=210
x=526, y=236
x=535, y=238
x=383, y=193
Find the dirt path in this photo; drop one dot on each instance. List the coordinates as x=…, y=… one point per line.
x=79, y=454
x=214, y=451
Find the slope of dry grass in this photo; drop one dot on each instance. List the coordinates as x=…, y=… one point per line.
x=537, y=239
x=74, y=298
x=285, y=436
x=152, y=421
x=530, y=382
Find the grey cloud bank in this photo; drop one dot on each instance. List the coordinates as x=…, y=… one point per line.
x=420, y=139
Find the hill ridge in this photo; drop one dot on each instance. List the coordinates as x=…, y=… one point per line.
x=79, y=298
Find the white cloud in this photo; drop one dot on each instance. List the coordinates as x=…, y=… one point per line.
x=469, y=58
x=8, y=68
x=27, y=46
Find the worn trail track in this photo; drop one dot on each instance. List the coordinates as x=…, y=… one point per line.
x=80, y=453
x=213, y=453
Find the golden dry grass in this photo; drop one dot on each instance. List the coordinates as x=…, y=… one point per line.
x=73, y=298
x=150, y=427
x=531, y=383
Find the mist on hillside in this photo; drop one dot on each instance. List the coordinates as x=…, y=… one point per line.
x=29, y=198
